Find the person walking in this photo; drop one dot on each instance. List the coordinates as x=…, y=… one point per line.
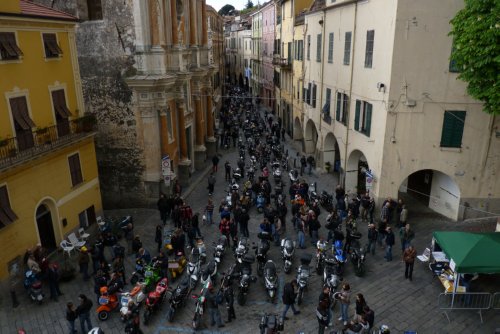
x=211, y=184
x=195, y=225
x=215, y=163
x=209, y=211
x=409, y=257
x=227, y=168
x=162, y=205
x=389, y=242
x=303, y=164
x=403, y=217
x=345, y=301
x=71, y=316
x=301, y=232
x=289, y=296
x=129, y=237
x=159, y=237
x=322, y=316
x=228, y=292
x=325, y=297
x=225, y=229
x=360, y=306
x=212, y=303
x=372, y=238
x=83, y=262
x=244, y=218
x=406, y=234
x=53, y=278
x=83, y=312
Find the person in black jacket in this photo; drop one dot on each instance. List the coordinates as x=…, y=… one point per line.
x=389, y=241
x=243, y=220
x=83, y=311
x=289, y=295
x=71, y=317
x=163, y=208
x=227, y=289
x=324, y=297
x=322, y=316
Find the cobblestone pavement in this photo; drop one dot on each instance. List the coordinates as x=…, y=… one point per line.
x=399, y=303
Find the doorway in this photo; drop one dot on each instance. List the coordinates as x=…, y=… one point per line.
x=45, y=228
x=189, y=142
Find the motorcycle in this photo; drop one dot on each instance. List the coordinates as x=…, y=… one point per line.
x=177, y=265
x=293, y=175
x=131, y=300
x=202, y=250
x=339, y=254
x=275, y=165
x=155, y=299
x=277, y=176
x=321, y=247
x=358, y=256
x=303, y=274
x=270, y=280
x=34, y=286
x=287, y=252
x=245, y=275
x=260, y=202
x=251, y=173
x=271, y=324
x=326, y=200
x=331, y=277
x=138, y=274
x=178, y=298
x=200, y=305
x=193, y=268
x=152, y=274
x=241, y=250
x=107, y=303
x=209, y=272
x=261, y=251
x=220, y=248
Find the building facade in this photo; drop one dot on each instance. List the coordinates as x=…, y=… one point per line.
x=383, y=99
x=49, y=184
x=216, y=57
x=268, y=35
x=256, y=87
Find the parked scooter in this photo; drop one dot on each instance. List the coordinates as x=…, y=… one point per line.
x=261, y=251
x=202, y=250
x=34, y=286
x=270, y=280
x=209, y=272
x=193, y=268
x=303, y=274
x=200, y=305
x=321, y=247
x=176, y=265
x=358, y=256
x=107, y=303
x=287, y=252
x=131, y=300
x=155, y=299
x=245, y=278
x=331, y=277
x=138, y=274
x=220, y=248
x=178, y=298
x=241, y=250
x=339, y=255
x=293, y=175
x=271, y=324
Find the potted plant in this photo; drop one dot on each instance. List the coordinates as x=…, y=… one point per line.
x=328, y=167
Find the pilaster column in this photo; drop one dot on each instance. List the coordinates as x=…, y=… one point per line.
x=192, y=22
x=210, y=117
x=173, y=19
x=199, y=120
x=154, y=22
x=204, y=29
x=182, y=131
x=163, y=133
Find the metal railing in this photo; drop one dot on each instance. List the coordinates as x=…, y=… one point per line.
x=476, y=301
x=495, y=303
x=282, y=62
x=29, y=144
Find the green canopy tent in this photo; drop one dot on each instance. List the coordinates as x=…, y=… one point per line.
x=471, y=252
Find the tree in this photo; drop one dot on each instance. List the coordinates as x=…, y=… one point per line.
x=249, y=4
x=226, y=10
x=476, y=50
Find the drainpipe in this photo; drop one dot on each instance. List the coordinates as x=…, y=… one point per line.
x=353, y=43
x=322, y=75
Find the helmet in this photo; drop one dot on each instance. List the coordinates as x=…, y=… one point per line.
x=384, y=329
x=96, y=330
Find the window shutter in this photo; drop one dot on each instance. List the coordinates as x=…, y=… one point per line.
x=339, y=103
x=314, y=96
x=356, y=115
x=309, y=91
x=453, y=127
x=318, y=48
x=330, y=48
x=368, y=119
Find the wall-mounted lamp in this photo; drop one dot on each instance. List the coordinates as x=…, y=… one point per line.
x=381, y=87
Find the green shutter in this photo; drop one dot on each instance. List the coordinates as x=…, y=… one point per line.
x=356, y=115
x=339, y=103
x=453, y=128
x=368, y=119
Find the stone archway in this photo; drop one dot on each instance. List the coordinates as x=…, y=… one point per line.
x=355, y=173
x=331, y=151
x=434, y=189
x=298, y=132
x=46, y=220
x=310, y=138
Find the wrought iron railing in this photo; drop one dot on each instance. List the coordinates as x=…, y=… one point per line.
x=29, y=144
x=282, y=62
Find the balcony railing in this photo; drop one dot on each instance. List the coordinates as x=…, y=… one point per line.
x=30, y=144
x=282, y=62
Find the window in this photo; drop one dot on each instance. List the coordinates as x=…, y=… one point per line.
x=7, y=216
x=304, y=92
x=308, y=47
x=75, y=169
x=453, y=128
x=289, y=55
x=363, y=117
x=453, y=64
x=370, y=40
x=326, y=107
x=8, y=46
x=318, y=48
x=52, y=49
x=341, y=113
x=330, y=48
x=313, y=103
x=94, y=9
x=169, y=125
x=61, y=111
x=22, y=123
x=347, y=48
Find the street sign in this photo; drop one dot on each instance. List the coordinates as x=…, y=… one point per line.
x=165, y=165
x=369, y=180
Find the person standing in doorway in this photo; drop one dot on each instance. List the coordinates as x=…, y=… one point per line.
x=409, y=258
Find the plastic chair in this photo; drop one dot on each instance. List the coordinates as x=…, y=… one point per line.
x=74, y=241
x=67, y=247
x=83, y=235
x=426, y=255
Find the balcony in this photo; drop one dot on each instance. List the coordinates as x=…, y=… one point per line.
x=283, y=63
x=30, y=145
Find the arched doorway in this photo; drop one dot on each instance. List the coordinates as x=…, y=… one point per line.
x=355, y=174
x=298, y=133
x=331, y=152
x=434, y=189
x=45, y=227
x=311, y=138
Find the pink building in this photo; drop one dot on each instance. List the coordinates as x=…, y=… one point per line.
x=268, y=18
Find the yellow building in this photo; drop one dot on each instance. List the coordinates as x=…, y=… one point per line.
x=49, y=184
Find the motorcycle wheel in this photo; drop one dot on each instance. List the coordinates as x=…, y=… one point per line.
x=170, y=314
x=147, y=316
x=300, y=297
x=103, y=315
x=133, y=280
x=196, y=321
x=242, y=298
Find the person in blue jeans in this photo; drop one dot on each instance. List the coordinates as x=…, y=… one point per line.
x=71, y=317
x=289, y=296
x=83, y=311
x=301, y=233
x=345, y=300
x=389, y=242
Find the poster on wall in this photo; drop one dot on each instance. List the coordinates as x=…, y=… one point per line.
x=166, y=170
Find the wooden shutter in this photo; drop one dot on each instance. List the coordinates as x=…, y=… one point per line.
x=314, y=96
x=368, y=116
x=339, y=104
x=20, y=113
x=8, y=46
x=7, y=216
x=75, y=169
x=356, y=115
x=330, y=48
x=59, y=101
x=453, y=127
